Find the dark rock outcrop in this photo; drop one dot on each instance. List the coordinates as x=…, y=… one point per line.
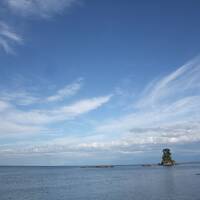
x=167, y=158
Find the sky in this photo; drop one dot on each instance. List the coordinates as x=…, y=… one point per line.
x=99, y=82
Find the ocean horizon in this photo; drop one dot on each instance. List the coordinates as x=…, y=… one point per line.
x=180, y=182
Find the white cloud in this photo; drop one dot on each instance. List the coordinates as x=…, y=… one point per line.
x=174, y=118
x=12, y=118
x=8, y=128
x=22, y=111
x=175, y=85
x=24, y=97
x=4, y=106
x=67, y=91
x=84, y=106
x=171, y=102
x=59, y=114
x=38, y=8
x=8, y=38
x=144, y=139
x=19, y=97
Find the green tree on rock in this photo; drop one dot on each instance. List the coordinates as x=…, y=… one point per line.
x=167, y=158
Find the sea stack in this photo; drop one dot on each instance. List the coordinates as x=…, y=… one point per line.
x=167, y=158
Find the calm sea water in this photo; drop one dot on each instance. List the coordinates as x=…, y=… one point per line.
x=118, y=183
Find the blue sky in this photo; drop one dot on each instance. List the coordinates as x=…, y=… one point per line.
x=91, y=82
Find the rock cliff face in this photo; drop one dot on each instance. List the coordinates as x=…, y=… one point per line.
x=167, y=158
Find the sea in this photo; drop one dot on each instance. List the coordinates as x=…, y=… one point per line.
x=181, y=182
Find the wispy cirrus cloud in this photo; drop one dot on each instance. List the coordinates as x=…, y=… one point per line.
x=67, y=91
x=16, y=121
x=44, y=9
x=181, y=83
x=23, y=97
x=34, y=8
x=19, y=97
x=8, y=38
x=166, y=112
x=17, y=112
x=53, y=115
